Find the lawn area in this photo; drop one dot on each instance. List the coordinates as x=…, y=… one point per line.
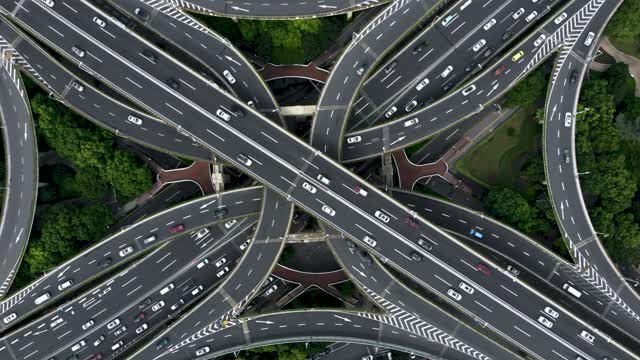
x=412, y=149
x=627, y=46
x=497, y=159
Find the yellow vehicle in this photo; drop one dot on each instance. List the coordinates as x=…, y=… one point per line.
x=517, y=56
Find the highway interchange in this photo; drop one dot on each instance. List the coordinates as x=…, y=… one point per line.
x=191, y=108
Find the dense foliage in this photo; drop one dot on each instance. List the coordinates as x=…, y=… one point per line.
x=624, y=27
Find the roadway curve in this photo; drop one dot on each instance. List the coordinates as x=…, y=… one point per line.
x=272, y=9
x=487, y=87
x=193, y=214
x=564, y=186
x=280, y=160
x=237, y=290
x=21, y=176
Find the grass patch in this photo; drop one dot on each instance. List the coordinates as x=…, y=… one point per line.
x=411, y=150
x=280, y=41
x=627, y=46
x=497, y=159
x=314, y=298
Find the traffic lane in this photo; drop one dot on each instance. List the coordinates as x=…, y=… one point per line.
x=444, y=113
x=340, y=89
x=307, y=325
x=375, y=278
x=21, y=182
x=238, y=288
x=96, y=106
x=175, y=300
x=104, y=255
x=210, y=48
x=129, y=286
x=325, y=130
x=428, y=50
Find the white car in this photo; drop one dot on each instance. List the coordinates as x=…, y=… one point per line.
x=141, y=328
x=310, y=188
x=202, y=263
x=271, y=290
x=477, y=46
x=447, y=71
x=126, y=251
x=587, y=336
x=76, y=85
x=354, y=139
x=589, y=40
x=328, y=210
x=88, y=324
x=469, y=89
x=359, y=190
x=369, y=241
x=518, y=13
x=76, y=50
x=134, y=119
x=167, y=288
x=544, y=321
x=99, y=21
x=540, y=40
x=117, y=345
x=466, y=287
x=56, y=322
x=422, y=84
x=202, y=233
x=9, y=318
x=177, y=305
x=79, y=345
x=323, y=179
x=244, y=159
x=410, y=106
x=221, y=262
x=157, y=306
x=203, y=350
x=99, y=340
x=120, y=331
x=531, y=16
x=454, y=294
x=382, y=216
x=411, y=122
x=568, y=117
x=390, y=112
x=489, y=24
x=113, y=323
x=229, y=77
x=230, y=223
x=65, y=284
x=245, y=244
x=223, y=115
x=222, y=272
x=560, y=18
x=49, y=3
x=551, y=312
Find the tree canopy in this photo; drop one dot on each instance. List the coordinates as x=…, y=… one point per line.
x=527, y=90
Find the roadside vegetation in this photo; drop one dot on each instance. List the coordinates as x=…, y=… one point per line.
x=280, y=41
x=623, y=29
x=608, y=157
x=279, y=352
x=82, y=172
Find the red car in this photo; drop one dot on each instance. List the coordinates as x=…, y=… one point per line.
x=499, y=70
x=176, y=228
x=484, y=269
x=410, y=222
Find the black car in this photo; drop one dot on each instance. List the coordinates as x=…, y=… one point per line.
x=105, y=263
x=238, y=111
x=419, y=48
x=488, y=52
x=470, y=67
x=162, y=343
x=364, y=257
x=446, y=87
x=146, y=302
x=574, y=76
x=415, y=256
x=150, y=55
x=507, y=35
x=390, y=67
x=188, y=285
x=220, y=213
x=174, y=84
x=143, y=14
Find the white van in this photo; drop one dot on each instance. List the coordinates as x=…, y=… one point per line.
x=42, y=298
x=571, y=290
x=151, y=238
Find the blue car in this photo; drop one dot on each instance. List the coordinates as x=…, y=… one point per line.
x=475, y=233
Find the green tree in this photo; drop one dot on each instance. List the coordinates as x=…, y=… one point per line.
x=620, y=83
x=595, y=128
x=627, y=230
x=91, y=183
x=612, y=182
x=126, y=175
x=510, y=206
x=527, y=90
x=624, y=24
